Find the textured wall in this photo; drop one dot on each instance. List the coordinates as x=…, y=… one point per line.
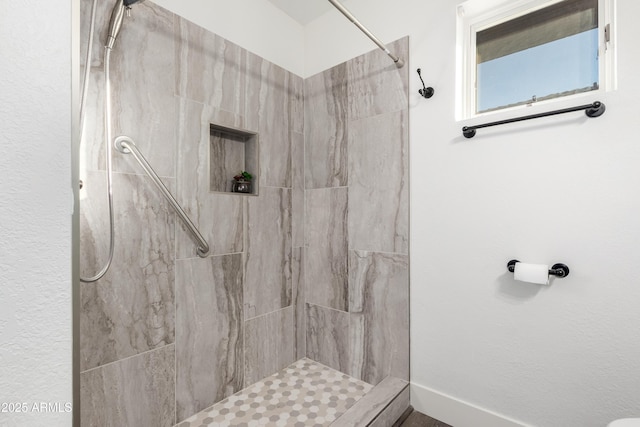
x=357, y=215
x=165, y=333
x=35, y=211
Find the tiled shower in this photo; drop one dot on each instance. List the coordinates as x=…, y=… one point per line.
x=315, y=265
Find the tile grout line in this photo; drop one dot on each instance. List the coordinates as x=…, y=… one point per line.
x=269, y=313
x=128, y=357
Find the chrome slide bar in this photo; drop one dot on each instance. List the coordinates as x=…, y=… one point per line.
x=125, y=145
x=399, y=62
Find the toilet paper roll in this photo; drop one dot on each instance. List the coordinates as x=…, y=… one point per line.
x=532, y=273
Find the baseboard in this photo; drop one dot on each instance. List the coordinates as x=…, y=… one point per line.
x=455, y=412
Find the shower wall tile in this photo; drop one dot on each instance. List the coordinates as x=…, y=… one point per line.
x=379, y=183
x=143, y=73
x=138, y=391
x=131, y=309
x=209, y=331
x=325, y=117
x=326, y=266
x=296, y=92
x=328, y=337
x=142, y=97
x=210, y=69
x=298, y=291
x=92, y=147
x=154, y=135
x=379, y=315
x=269, y=344
x=267, y=285
x=171, y=79
x=359, y=110
x=297, y=193
x=376, y=85
x=219, y=217
x=103, y=12
x=269, y=109
x=94, y=222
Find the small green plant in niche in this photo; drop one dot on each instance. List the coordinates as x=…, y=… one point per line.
x=242, y=182
x=243, y=176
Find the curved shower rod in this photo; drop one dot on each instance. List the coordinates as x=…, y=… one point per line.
x=125, y=145
x=399, y=61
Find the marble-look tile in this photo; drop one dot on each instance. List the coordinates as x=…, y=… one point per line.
x=298, y=302
x=296, y=92
x=155, y=131
x=268, y=344
x=209, y=331
x=325, y=128
x=326, y=254
x=131, y=309
x=379, y=310
x=267, y=284
x=378, y=406
x=269, y=109
x=376, y=85
x=94, y=222
x=92, y=156
x=328, y=337
x=297, y=187
x=394, y=410
x=219, y=217
x=138, y=391
x=379, y=183
x=210, y=69
x=142, y=73
x=92, y=149
x=103, y=11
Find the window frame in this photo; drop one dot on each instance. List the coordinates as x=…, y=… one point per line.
x=477, y=15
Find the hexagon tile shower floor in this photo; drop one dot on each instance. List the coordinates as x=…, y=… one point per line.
x=304, y=394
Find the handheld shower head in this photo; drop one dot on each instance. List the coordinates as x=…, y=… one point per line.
x=117, y=15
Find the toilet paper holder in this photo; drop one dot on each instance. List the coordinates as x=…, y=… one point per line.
x=558, y=270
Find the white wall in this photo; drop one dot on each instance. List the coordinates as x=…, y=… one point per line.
x=486, y=349
x=35, y=210
x=256, y=25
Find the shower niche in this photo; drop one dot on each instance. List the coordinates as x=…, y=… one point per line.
x=231, y=152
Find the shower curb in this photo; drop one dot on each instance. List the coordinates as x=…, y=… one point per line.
x=380, y=407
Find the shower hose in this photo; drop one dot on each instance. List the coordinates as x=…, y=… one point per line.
x=107, y=130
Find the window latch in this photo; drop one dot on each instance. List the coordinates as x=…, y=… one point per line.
x=607, y=33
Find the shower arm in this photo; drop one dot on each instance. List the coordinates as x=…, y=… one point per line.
x=398, y=61
x=125, y=145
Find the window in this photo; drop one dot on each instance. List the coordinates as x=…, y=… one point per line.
x=541, y=51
